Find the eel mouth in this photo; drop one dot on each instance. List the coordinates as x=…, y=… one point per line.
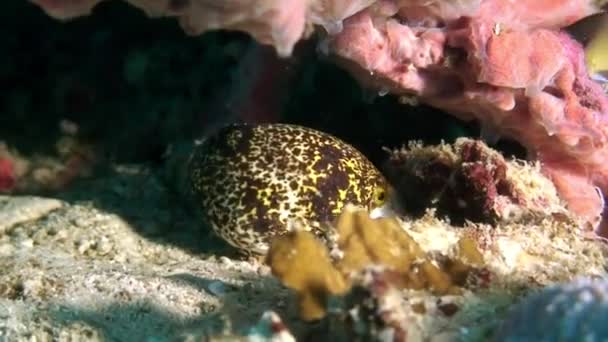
x=391, y=208
x=380, y=212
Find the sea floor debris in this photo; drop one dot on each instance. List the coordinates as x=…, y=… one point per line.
x=418, y=280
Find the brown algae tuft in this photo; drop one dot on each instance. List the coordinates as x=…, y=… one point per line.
x=302, y=263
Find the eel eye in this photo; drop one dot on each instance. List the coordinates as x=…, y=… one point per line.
x=379, y=197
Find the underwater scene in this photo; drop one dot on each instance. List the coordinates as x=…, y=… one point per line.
x=304, y=170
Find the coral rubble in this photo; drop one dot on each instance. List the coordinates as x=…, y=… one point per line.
x=468, y=181
x=420, y=277
x=85, y=266
x=361, y=242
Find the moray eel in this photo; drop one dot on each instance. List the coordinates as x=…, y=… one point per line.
x=251, y=181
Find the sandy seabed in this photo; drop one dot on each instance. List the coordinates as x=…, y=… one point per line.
x=120, y=257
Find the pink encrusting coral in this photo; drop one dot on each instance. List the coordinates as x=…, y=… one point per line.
x=281, y=23
x=520, y=76
x=505, y=63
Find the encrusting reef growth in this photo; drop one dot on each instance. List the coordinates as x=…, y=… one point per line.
x=467, y=181
x=522, y=71
x=425, y=276
x=480, y=247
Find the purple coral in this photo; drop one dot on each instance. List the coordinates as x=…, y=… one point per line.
x=574, y=311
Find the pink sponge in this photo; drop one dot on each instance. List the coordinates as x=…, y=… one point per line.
x=7, y=175
x=519, y=76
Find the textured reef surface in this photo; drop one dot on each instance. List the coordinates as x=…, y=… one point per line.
x=87, y=266
x=510, y=67
x=102, y=238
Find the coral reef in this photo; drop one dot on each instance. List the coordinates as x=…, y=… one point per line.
x=388, y=277
x=573, y=311
x=457, y=56
x=541, y=96
x=384, y=277
x=468, y=181
x=91, y=267
x=480, y=231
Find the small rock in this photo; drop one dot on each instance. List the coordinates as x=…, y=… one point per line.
x=217, y=288
x=270, y=328
x=26, y=243
x=264, y=271
x=18, y=209
x=6, y=249
x=225, y=261
x=104, y=246
x=40, y=236
x=84, y=245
